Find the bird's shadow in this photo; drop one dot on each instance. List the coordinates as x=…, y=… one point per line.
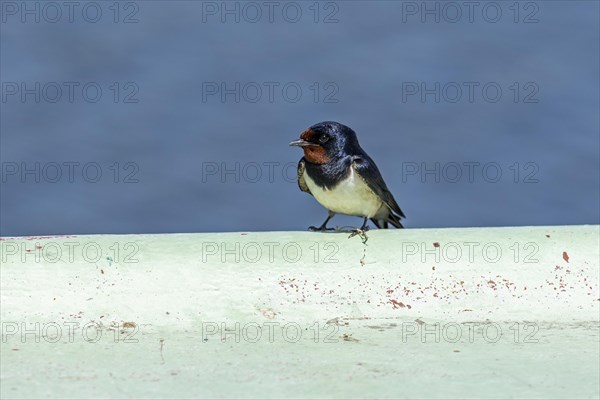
x=353, y=231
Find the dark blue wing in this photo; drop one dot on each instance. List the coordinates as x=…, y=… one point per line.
x=301, y=182
x=367, y=170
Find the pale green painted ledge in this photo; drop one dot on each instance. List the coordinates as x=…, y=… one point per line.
x=528, y=329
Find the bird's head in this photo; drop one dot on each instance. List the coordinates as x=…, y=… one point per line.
x=325, y=141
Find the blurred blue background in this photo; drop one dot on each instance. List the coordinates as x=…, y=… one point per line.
x=165, y=134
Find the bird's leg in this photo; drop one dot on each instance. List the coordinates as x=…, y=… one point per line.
x=364, y=226
x=323, y=227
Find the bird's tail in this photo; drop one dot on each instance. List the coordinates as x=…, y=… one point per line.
x=391, y=218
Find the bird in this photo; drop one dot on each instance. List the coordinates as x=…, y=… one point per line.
x=342, y=177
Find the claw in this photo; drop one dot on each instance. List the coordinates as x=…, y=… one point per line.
x=362, y=232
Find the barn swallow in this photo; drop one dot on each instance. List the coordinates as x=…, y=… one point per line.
x=343, y=178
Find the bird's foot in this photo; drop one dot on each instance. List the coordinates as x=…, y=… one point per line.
x=362, y=232
x=320, y=229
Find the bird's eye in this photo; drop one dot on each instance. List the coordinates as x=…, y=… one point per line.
x=323, y=138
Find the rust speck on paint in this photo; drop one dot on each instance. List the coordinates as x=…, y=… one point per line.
x=397, y=304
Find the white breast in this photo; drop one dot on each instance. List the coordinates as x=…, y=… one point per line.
x=351, y=196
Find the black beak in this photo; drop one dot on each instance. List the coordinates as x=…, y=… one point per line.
x=300, y=143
